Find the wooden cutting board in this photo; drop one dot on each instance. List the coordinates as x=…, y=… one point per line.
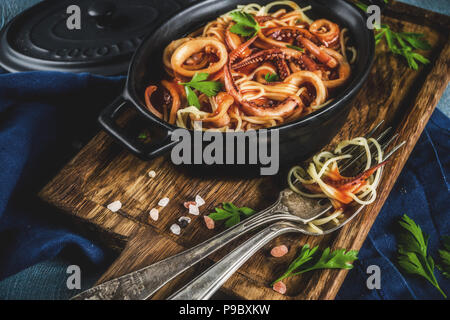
x=103, y=172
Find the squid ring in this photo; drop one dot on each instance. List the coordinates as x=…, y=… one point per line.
x=176, y=102
x=170, y=49
x=148, y=94
x=220, y=117
x=344, y=70
x=301, y=77
x=330, y=36
x=187, y=49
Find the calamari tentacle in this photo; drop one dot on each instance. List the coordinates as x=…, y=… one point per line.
x=283, y=68
x=270, y=54
x=319, y=53
x=283, y=109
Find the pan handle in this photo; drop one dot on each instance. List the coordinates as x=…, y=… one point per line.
x=148, y=151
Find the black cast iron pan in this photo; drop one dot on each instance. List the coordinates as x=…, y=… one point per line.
x=298, y=140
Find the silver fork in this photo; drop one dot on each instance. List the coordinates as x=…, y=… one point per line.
x=142, y=284
x=205, y=285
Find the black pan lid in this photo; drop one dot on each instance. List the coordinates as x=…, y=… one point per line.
x=110, y=32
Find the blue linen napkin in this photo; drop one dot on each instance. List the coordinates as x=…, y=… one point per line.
x=41, y=113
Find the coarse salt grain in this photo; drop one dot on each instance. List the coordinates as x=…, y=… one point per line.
x=163, y=202
x=209, y=222
x=176, y=229
x=279, y=251
x=115, y=206
x=152, y=174
x=199, y=201
x=154, y=214
x=194, y=210
x=279, y=287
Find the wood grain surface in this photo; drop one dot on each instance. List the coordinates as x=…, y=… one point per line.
x=103, y=172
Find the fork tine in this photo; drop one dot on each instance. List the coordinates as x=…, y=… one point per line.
x=394, y=150
x=384, y=147
x=371, y=132
x=384, y=134
x=350, y=162
x=367, y=136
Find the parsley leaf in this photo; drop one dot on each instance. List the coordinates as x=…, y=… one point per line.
x=444, y=265
x=199, y=82
x=231, y=213
x=362, y=6
x=271, y=77
x=143, y=136
x=311, y=259
x=295, y=47
x=192, y=97
x=401, y=43
x=245, y=25
x=404, y=43
x=416, y=40
x=242, y=30
x=200, y=77
x=412, y=252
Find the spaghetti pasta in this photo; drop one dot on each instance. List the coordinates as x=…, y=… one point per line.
x=288, y=67
x=323, y=179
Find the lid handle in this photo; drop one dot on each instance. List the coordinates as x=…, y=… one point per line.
x=102, y=11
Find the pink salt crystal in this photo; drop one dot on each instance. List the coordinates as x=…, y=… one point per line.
x=189, y=203
x=279, y=251
x=279, y=287
x=209, y=222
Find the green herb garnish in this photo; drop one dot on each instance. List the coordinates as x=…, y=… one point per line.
x=412, y=250
x=444, y=265
x=295, y=48
x=231, y=213
x=199, y=82
x=311, y=259
x=401, y=43
x=404, y=43
x=245, y=25
x=364, y=6
x=143, y=136
x=271, y=77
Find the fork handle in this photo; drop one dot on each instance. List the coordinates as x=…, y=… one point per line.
x=142, y=284
x=205, y=285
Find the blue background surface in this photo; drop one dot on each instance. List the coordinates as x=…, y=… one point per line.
x=47, y=280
